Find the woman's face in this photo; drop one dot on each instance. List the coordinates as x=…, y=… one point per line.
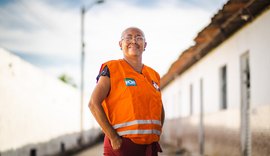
x=133, y=42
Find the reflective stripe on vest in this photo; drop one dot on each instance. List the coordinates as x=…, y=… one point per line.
x=135, y=122
x=151, y=131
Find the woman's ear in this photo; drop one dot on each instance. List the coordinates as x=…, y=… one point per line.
x=145, y=44
x=120, y=45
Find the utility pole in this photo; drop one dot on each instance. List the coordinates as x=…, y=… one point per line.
x=83, y=11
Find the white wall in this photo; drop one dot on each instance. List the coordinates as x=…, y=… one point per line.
x=34, y=107
x=254, y=37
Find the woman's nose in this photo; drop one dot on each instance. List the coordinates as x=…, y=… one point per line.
x=133, y=40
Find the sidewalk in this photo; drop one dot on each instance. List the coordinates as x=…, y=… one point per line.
x=97, y=150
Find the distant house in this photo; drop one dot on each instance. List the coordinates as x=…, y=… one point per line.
x=217, y=94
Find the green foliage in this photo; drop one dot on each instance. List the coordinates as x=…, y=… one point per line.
x=67, y=79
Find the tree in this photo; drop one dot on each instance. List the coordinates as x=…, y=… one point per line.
x=67, y=79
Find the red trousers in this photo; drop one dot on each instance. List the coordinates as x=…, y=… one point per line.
x=128, y=148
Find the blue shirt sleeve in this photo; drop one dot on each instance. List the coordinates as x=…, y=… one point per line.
x=105, y=72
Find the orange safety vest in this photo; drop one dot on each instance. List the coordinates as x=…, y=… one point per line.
x=133, y=106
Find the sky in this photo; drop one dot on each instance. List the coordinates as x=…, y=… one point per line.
x=47, y=33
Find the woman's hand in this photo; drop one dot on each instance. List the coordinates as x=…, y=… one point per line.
x=116, y=143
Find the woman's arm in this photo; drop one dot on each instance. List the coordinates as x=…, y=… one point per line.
x=100, y=92
x=162, y=115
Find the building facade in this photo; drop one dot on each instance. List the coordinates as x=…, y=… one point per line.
x=39, y=115
x=216, y=95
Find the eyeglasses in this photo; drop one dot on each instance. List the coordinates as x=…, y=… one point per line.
x=137, y=38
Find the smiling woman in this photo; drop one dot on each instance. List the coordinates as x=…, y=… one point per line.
x=133, y=44
x=126, y=101
x=52, y=28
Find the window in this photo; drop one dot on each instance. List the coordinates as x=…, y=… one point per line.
x=223, y=87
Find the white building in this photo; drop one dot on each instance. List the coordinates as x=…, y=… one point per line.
x=39, y=115
x=217, y=94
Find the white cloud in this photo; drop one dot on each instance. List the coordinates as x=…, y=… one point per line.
x=169, y=29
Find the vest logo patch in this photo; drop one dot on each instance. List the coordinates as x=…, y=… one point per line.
x=155, y=85
x=130, y=82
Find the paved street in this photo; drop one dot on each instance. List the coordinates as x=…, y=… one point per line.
x=97, y=150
